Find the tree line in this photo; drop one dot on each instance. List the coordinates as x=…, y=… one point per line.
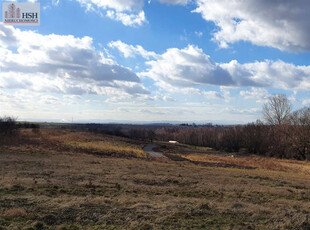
x=9, y=126
x=282, y=133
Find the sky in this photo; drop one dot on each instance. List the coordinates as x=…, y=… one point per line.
x=155, y=61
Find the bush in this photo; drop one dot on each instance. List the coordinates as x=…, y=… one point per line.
x=7, y=125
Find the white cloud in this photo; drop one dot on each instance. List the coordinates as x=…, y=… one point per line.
x=167, y=111
x=157, y=97
x=292, y=98
x=118, y=5
x=60, y=64
x=127, y=19
x=55, y=2
x=251, y=111
x=187, y=67
x=223, y=94
x=198, y=34
x=175, y=2
x=129, y=12
x=212, y=95
x=259, y=94
x=130, y=51
x=279, y=24
x=191, y=67
x=306, y=101
x=273, y=74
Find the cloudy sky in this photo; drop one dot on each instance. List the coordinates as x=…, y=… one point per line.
x=156, y=60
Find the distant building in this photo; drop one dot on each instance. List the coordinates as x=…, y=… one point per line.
x=173, y=142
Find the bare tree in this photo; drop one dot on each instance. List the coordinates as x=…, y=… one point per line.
x=301, y=117
x=299, y=133
x=277, y=110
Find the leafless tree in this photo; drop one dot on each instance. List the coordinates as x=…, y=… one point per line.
x=301, y=117
x=299, y=133
x=277, y=110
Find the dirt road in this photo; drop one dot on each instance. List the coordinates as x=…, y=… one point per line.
x=149, y=150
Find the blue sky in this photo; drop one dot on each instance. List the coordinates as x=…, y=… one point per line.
x=153, y=61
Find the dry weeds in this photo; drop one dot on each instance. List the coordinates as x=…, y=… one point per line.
x=48, y=187
x=291, y=166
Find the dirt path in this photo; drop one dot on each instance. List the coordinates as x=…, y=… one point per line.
x=149, y=150
x=151, y=153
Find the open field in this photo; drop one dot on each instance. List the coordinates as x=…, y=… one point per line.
x=59, y=179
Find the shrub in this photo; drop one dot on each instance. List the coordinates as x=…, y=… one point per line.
x=7, y=125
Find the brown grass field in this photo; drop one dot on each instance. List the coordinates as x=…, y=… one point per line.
x=57, y=179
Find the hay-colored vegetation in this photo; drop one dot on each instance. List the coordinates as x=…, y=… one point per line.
x=47, y=184
x=291, y=166
x=208, y=155
x=111, y=147
x=74, y=141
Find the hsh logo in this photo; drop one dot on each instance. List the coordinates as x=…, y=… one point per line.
x=21, y=13
x=14, y=12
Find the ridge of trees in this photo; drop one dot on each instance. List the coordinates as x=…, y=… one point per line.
x=283, y=134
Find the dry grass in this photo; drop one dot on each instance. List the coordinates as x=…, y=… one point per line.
x=110, y=147
x=99, y=143
x=207, y=155
x=15, y=212
x=73, y=141
x=58, y=188
x=291, y=166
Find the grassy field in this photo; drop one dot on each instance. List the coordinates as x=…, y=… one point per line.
x=59, y=179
